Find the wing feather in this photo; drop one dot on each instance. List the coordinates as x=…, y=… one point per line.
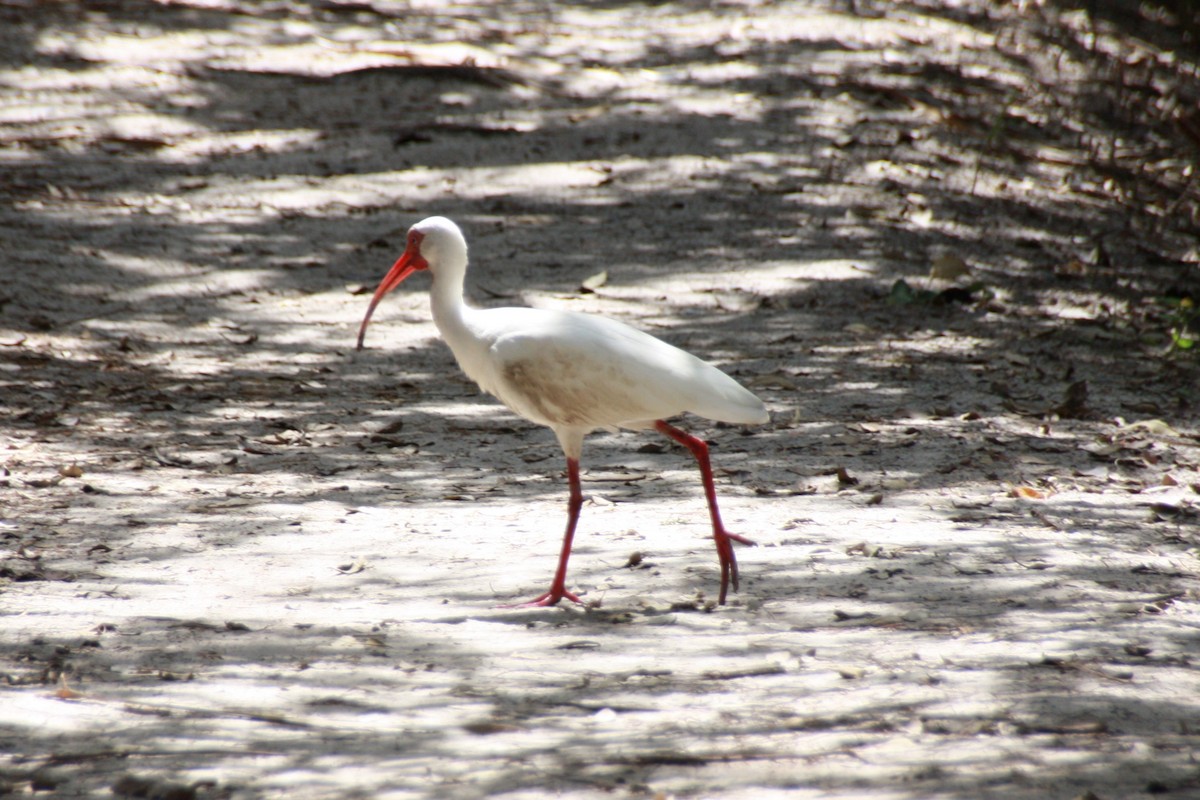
x=574, y=370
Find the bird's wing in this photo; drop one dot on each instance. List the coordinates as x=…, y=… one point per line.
x=575, y=370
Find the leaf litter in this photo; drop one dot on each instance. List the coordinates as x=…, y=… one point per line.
x=223, y=532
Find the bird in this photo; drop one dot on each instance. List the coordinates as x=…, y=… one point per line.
x=573, y=373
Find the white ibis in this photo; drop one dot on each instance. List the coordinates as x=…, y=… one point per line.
x=573, y=373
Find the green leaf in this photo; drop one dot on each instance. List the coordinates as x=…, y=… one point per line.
x=902, y=294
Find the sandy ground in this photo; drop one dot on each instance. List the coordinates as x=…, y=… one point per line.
x=242, y=560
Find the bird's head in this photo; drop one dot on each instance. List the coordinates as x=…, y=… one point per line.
x=432, y=244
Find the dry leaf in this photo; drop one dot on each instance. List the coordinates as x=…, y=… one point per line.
x=948, y=266
x=1072, y=269
x=1155, y=426
x=1074, y=404
x=42, y=483
x=1028, y=493
x=64, y=692
x=593, y=283
x=775, y=380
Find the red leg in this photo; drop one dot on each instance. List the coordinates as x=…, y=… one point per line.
x=722, y=537
x=558, y=589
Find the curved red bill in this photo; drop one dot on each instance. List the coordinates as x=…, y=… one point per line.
x=406, y=265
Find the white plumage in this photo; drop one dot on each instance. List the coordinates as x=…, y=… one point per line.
x=573, y=373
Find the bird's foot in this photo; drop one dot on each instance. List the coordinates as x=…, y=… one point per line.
x=729, y=568
x=546, y=599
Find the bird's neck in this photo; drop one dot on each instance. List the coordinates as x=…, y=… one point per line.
x=450, y=312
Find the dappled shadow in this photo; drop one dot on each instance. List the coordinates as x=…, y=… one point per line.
x=197, y=199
